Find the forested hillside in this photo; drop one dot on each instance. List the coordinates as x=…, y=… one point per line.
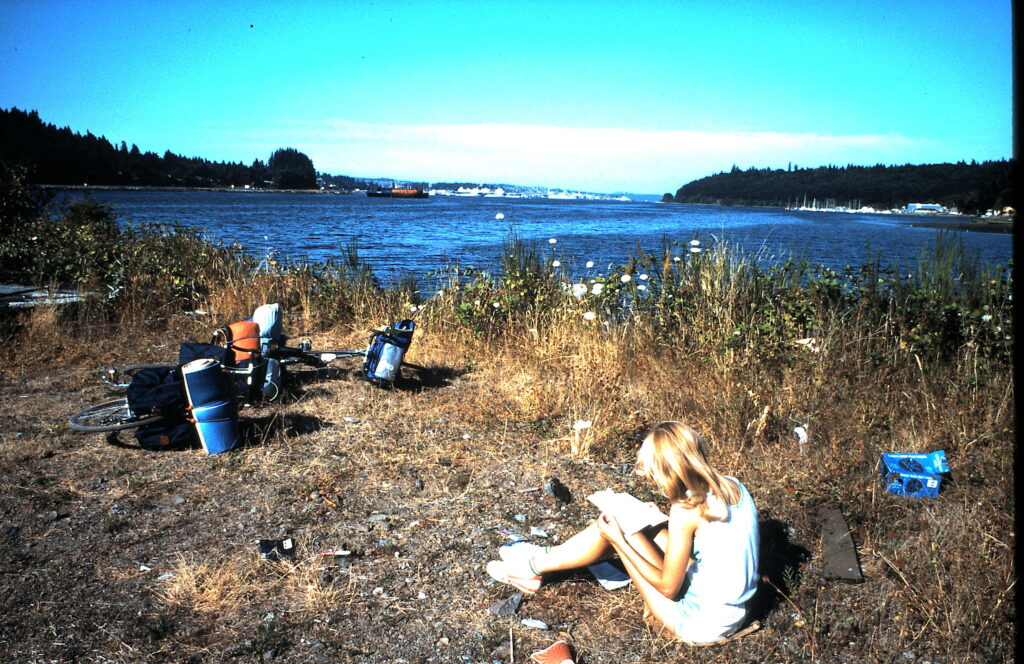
x=59, y=156
x=972, y=188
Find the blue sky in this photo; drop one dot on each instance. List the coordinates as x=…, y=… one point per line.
x=627, y=96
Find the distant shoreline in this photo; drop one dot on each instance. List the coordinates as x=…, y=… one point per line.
x=945, y=222
x=231, y=190
x=976, y=225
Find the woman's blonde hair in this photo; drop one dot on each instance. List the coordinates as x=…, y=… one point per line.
x=673, y=455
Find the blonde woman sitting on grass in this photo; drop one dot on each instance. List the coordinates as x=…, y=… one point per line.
x=696, y=572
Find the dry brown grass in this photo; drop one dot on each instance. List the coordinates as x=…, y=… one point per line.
x=209, y=587
x=494, y=414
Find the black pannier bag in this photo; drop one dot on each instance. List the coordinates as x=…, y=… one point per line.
x=160, y=390
x=196, y=351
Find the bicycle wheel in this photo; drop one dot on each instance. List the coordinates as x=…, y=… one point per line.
x=110, y=416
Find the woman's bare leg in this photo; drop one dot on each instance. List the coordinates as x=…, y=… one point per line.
x=580, y=550
x=588, y=546
x=662, y=608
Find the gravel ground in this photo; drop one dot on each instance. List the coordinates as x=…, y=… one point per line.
x=109, y=553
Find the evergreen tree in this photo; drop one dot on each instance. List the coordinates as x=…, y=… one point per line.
x=290, y=169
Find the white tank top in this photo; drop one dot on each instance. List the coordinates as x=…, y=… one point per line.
x=723, y=575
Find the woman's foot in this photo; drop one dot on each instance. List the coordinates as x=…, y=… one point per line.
x=556, y=653
x=516, y=573
x=517, y=551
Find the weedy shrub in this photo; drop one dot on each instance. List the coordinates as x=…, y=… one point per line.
x=74, y=244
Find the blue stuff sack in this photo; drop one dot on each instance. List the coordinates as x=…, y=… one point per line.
x=251, y=387
x=914, y=475
x=386, y=350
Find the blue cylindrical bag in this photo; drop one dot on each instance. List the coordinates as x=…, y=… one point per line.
x=218, y=435
x=218, y=410
x=212, y=406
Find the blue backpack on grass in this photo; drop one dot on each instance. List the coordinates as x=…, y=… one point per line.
x=386, y=350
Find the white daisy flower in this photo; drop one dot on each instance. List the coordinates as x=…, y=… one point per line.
x=625, y=278
x=590, y=315
x=556, y=263
x=596, y=290
x=641, y=287
x=579, y=290
x=694, y=243
x=694, y=250
x=643, y=277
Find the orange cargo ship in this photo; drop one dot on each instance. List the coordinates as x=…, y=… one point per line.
x=409, y=192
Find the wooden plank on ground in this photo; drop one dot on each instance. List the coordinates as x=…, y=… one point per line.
x=839, y=555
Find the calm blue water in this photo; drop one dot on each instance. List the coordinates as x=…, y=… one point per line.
x=414, y=236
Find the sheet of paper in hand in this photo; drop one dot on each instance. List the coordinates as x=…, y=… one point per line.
x=632, y=514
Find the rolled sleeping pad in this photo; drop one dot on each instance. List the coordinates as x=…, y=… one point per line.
x=245, y=341
x=268, y=318
x=204, y=382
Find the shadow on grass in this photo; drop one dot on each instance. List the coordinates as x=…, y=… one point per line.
x=299, y=379
x=779, y=566
x=417, y=379
x=412, y=378
x=126, y=440
x=259, y=431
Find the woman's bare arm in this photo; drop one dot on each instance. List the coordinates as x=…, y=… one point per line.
x=665, y=572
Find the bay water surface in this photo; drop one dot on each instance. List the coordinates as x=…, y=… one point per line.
x=413, y=237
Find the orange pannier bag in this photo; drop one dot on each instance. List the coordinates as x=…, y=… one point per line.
x=241, y=338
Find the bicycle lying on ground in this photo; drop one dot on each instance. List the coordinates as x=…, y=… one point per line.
x=116, y=415
x=254, y=359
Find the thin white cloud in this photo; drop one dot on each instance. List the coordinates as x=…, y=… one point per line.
x=599, y=159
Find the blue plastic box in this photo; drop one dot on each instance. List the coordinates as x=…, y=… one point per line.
x=932, y=463
x=913, y=485
x=914, y=475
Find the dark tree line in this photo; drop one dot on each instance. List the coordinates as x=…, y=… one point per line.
x=971, y=187
x=59, y=156
x=342, y=182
